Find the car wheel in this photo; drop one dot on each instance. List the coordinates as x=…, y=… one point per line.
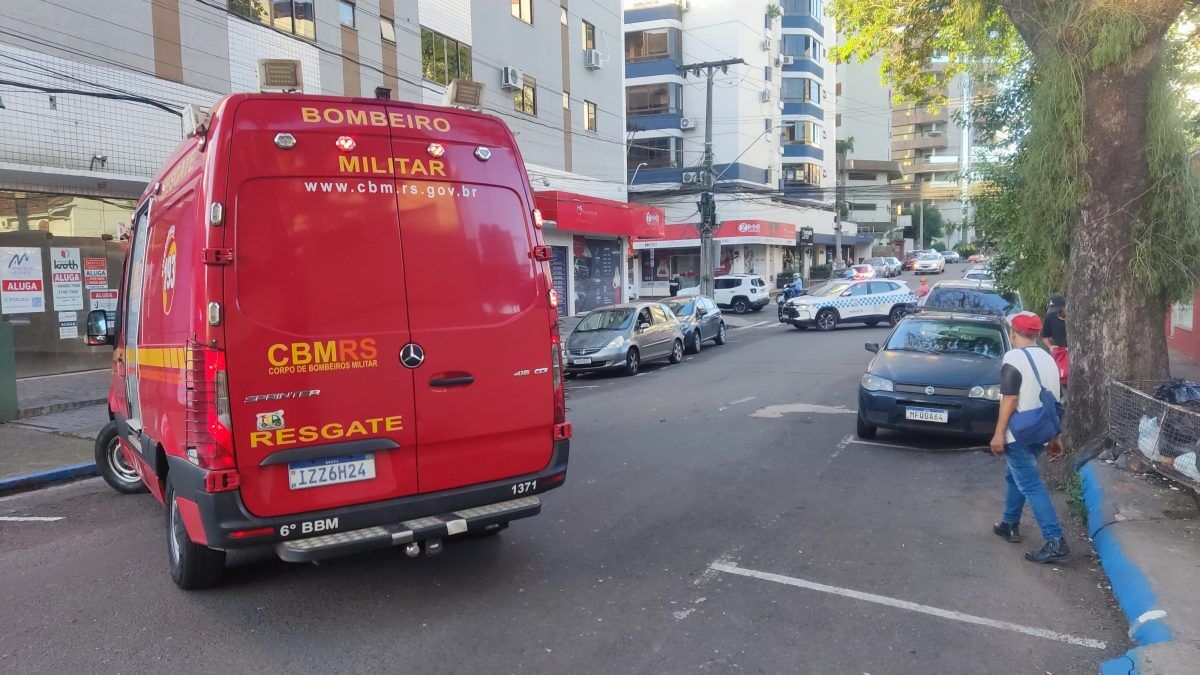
x=114, y=468
x=677, y=352
x=192, y=566
x=740, y=306
x=871, y=323
x=694, y=340
x=633, y=361
x=826, y=319
x=720, y=339
x=864, y=430
x=896, y=315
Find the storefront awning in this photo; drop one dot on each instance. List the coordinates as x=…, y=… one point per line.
x=847, y=240
x=729, y=232
x=573, y=212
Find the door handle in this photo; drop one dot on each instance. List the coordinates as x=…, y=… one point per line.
x=456, y=381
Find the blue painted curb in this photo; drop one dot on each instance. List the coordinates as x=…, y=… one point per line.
x=1130, y=586
x=40, y=478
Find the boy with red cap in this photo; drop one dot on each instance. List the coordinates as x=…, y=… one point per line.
x=1025, y=371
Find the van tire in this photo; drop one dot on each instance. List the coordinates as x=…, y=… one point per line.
x=720, y=339
x=740, y=305
x=192, y=566
x=111, y=464
x=633, y=361
x=677, y=352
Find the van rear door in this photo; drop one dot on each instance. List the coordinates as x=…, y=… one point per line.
x=484, y=392
x=315, y=316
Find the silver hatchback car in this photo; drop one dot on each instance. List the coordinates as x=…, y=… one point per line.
x=623, y=337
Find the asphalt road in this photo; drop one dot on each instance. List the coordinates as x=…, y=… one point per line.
x=718, y=516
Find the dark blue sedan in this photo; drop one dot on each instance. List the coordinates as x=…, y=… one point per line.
x=935, y=373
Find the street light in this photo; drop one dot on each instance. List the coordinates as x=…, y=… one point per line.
x=635, y=170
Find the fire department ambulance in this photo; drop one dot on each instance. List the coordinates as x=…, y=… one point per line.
x=289, y=370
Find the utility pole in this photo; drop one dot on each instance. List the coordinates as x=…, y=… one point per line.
x=708, y=200
x=838, y=202
x=921, y=221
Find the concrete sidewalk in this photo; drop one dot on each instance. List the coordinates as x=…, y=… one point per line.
x=1146, y=531
x=29, y=456
x=55, y=393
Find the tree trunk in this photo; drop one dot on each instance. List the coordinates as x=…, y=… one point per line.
x=1117, y=327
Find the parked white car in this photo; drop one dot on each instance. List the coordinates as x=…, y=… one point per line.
x=741, y=292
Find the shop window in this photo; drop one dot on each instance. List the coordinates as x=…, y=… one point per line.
x=444, y=59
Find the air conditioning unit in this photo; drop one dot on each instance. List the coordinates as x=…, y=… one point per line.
x=687, y=123
x=765, y=44
x=591, y=58
x=511, y=78
x=691, y=177
x=786, y=60
x=764, y=95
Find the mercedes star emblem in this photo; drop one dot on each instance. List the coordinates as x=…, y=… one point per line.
x=412, y=355
x=928, y=390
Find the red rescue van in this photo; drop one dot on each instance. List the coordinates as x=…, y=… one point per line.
x=336, y=332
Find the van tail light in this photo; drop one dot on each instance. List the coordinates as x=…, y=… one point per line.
x=562, y=428
x=553, y=297
x=538, y=222
x=208, y=433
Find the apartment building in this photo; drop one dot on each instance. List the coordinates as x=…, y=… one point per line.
x=92, y=95
x=773, y=150
x=864, y=128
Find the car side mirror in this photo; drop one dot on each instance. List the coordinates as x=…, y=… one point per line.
x=642, y=325
x=846, y=294
x=872, y=347
x=98, y=329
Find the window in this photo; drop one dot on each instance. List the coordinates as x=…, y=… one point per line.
x=346, y=13
x=589, y=35
x=443, y=59
x=863, y=206
x=838, y=89
x=861, y=175
x=387, y=30
x=566, y=100
x=801, y=133
x=649, y=45
x=525, y=98
x=562, y=18
x=801, y=47
x=289, y=16
x=802, y=175
x=589, y=115
x=801, y=8
x=653, y=99
x=664, y=152
x=661, y=315
x=523, y=10
x=767, y=73
x=1181, y=316
x=800, y=90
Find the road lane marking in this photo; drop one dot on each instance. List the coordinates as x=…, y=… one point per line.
x=29, y=519
x=732, y=568
x=776, y=411
x=742, y=400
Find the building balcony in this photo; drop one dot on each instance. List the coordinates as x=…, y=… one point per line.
x=669, y=120
x=803, y=64
x=795, y=21
x=919, y=116
x=665, y=66
x=920, y=142
x=798, y=150
x=810, y=109
x=654, y=10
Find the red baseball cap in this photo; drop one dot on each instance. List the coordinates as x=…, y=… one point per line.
x=1027, y=322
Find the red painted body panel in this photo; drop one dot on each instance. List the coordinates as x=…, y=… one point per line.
x=340, y=259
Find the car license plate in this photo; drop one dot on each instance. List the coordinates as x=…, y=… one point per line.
x=927, y=415
x=581, y=361
x=331, y=471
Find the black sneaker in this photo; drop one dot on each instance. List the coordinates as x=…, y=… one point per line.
x=1009, y=532
x=1054, y=551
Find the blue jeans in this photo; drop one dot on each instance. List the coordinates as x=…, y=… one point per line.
x=1025, y=483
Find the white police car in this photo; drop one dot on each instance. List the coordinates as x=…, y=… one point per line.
x=849, y=301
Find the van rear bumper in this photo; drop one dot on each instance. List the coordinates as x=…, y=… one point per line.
x=224, y=516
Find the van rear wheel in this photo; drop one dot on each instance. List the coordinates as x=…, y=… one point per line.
x=112, y=465
x=192, y=566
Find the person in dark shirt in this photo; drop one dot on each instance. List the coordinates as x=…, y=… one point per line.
x=1054, y=333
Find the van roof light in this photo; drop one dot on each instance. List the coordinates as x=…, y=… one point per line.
x=345, y=143
x=195, y=120
x=280, y=75
x=435, y=149
x=464, y=94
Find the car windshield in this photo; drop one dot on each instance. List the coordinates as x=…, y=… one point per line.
x=829, y=290
x=948, y=337
x=605, y=319
x=877, y=261
x=973, y=300
x=930, y=256
x=682, y=308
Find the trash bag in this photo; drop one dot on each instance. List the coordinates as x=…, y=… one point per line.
x=1148, y=432
x=1186, y=465
x=1178, y=392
